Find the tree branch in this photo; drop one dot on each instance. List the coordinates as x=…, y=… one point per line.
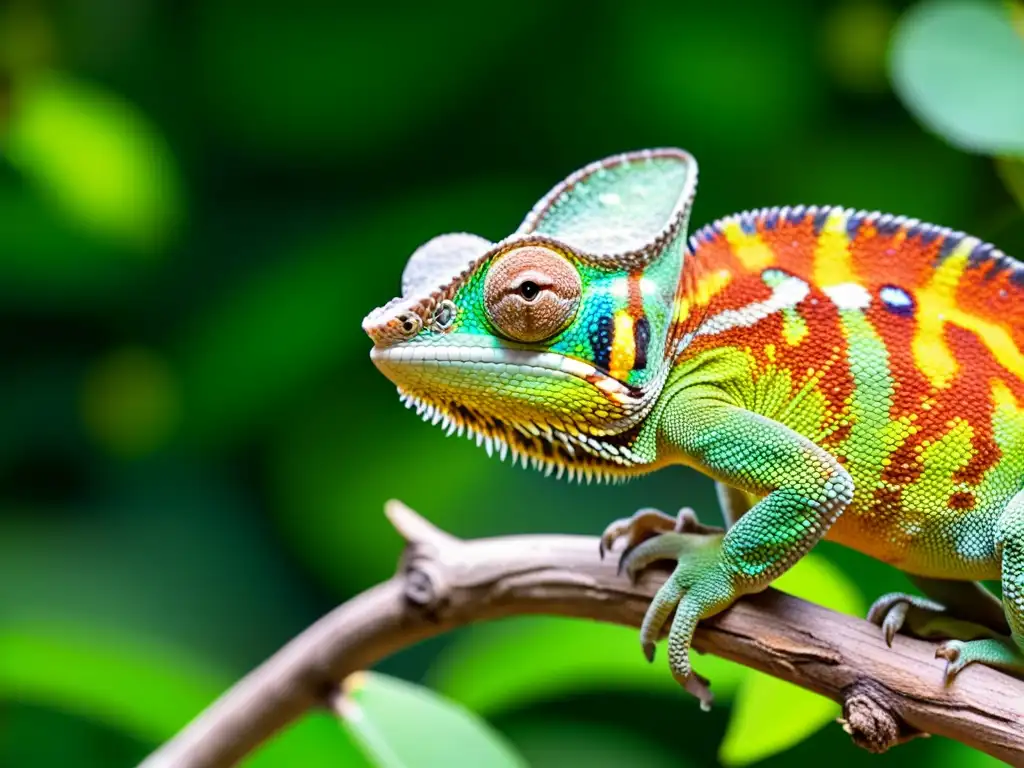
x=888, y=695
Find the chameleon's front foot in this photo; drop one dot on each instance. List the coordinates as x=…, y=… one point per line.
x=698, y=587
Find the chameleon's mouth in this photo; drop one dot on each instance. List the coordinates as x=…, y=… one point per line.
x=466, y=358
x=512, y=402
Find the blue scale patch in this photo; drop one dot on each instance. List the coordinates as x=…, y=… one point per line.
x=601, y=333
x=888, y=225
x=949, y=245
x=820, y=217
x=853, y=225
x=896, y=300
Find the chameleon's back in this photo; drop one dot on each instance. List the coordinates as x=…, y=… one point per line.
x=893, y=344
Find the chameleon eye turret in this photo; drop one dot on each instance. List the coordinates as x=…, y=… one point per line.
x=531, y=293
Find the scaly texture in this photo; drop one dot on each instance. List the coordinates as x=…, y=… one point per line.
x=840, y=374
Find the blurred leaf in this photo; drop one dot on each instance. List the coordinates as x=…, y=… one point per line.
x=1011, y=171
x=141, y=688
x=315, y=741
x=556, y=743
x=47, y=264
x=132, y=685
x=958, y=66
x=865, y=168
x=953, y=754
x=1016, y=10
x=815, y=579
x=26, y=38
x=97, y=158
x=334, y=470
x=401, y=725
x=342, y=77
x=854, y=43
x=500, y=666
x=796, y=713
x=130, y=401
x=693, y=74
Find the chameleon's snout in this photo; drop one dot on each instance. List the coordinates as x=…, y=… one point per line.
x=397, y=321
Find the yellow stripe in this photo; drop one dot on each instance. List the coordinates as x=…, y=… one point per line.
x=936, y=306
x=832, y=263
x=623, y=346
x=752, y=252
x=708, y=286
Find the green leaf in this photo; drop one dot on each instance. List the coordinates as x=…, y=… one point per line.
x=796, y=713
x=142, y=688
x=331, y=487
x=504, y=665
x=401, y=725
x=137, y=687
x=97, y=159
x=953, y=754
x=959, y=68
x=855, y=39
x=1011, y=171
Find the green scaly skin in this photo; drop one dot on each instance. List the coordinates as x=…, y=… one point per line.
x=839, y=374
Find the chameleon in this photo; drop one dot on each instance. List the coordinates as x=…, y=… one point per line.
x=840, y=374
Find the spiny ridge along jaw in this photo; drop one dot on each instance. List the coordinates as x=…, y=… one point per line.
x=537, y=446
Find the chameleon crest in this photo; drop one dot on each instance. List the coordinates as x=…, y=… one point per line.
x=554, y=343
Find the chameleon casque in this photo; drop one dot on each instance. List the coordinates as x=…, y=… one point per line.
x=844, y=375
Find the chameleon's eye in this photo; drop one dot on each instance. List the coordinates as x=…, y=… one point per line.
x=532, y=293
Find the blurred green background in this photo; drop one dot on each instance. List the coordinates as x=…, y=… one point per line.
x=200, y=200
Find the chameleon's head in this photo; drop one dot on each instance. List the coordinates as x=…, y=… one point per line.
x=554, y=342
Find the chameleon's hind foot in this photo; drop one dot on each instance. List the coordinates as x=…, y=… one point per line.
x=647, y=523
x=921, y=617
x=999, y=652
x=698, y=587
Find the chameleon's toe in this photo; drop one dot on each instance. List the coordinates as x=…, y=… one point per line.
x=647, y=523
x=666, y=546
x=639, y=526
x=890, y=612
x=999, y=652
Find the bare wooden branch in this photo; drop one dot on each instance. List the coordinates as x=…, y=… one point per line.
x=888, y=694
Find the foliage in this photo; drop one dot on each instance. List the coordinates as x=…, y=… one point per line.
x=199, y=203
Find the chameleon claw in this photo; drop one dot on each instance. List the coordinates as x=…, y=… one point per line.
x=893, y=621
x=649, y=649
x=700, y=687
x=951, y=651
x=891, y=611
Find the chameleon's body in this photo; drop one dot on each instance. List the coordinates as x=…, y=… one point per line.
x=843, y=375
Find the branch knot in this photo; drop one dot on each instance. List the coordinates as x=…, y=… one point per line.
x=425, y=587
x=871, y=716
